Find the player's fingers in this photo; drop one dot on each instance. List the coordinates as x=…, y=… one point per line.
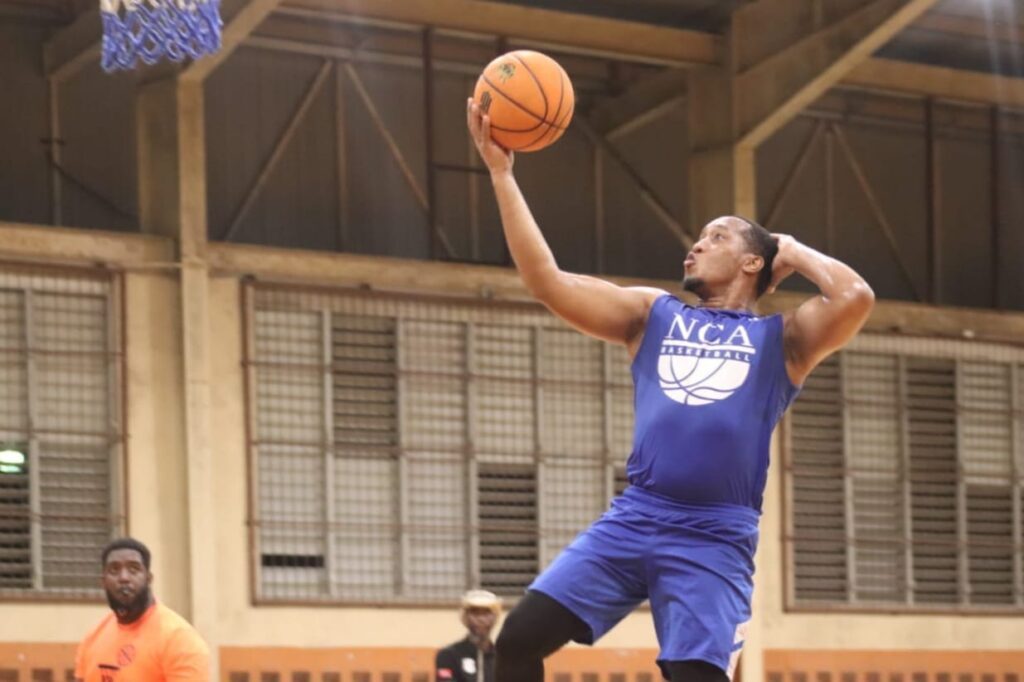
x=473, y=117
x=486, y=127
x=778, y=277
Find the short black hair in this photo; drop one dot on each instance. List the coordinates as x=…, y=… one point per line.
x=127, y=543
x=761, y=243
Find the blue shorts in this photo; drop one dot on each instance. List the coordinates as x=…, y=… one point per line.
x=694, y=563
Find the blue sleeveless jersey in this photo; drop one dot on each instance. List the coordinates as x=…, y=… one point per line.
x=710, y=386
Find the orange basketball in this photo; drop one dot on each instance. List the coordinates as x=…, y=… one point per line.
x=529, y=99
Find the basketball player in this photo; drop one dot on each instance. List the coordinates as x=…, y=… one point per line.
x=140, y=639
x=711, y=381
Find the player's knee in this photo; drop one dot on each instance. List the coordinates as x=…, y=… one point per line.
x=537, y=627
x=517, y=639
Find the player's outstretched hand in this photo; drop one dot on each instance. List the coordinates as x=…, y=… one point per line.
x=781, y=269
x=498, y=160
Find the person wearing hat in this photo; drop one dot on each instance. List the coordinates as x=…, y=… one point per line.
x=471, y=659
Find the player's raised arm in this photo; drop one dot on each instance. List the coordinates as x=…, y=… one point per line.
x=591, y=305
x=826, y=322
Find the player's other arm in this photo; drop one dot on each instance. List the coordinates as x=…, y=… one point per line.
x=826, y=322
x=591, y=305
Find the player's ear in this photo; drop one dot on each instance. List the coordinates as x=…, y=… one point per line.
x=752, y=264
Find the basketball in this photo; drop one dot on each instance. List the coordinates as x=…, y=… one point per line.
x=529, y=99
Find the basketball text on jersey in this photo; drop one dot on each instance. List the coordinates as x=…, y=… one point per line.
x=703, y=363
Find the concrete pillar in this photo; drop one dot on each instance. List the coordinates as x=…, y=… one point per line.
x=172, y=198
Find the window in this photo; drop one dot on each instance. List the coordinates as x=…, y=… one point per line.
x=507, y=519
x=406, y=449
x=905, y=463
x=60, y=430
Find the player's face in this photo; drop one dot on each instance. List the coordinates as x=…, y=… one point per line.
x=717, y=256
x=479, y=621
x=126, y=581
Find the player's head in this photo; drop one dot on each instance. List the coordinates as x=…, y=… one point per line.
x=731, y=252
x=126, y=578
x=480, y=612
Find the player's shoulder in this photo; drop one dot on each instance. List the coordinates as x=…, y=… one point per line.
x=650, y=294
x=107, y=621
x=649, y=297
x=174, y=629
x=168, y=617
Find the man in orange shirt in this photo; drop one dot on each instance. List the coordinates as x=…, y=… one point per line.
x=141, y=640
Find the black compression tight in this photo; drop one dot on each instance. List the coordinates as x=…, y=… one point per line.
x=695, y=671
x=536, y=628
x=539, y=626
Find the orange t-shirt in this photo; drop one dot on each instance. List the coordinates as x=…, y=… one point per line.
x=160, y=646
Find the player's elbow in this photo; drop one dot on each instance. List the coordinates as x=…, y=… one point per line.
x=538, y=288
x=859, y=299
x=544, y=285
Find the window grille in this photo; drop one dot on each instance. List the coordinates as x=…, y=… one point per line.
x=507, y=517
x=905, y=464
x=60, y=430
x=408, y=448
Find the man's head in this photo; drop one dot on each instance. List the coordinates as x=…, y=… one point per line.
x=480, y=612
x=126, y=578
x=731, y=252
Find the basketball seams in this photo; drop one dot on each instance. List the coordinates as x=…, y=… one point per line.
x=551, y=125
x=555, y=128
x=540, y=88
x=542, y=121
x=516, y=131
x=558, y=125
x=516, y=104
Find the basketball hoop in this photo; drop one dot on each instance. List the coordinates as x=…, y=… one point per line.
x=152, y=30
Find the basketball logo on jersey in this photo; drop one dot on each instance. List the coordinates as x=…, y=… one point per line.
x=704, y=362
x=126, y=655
